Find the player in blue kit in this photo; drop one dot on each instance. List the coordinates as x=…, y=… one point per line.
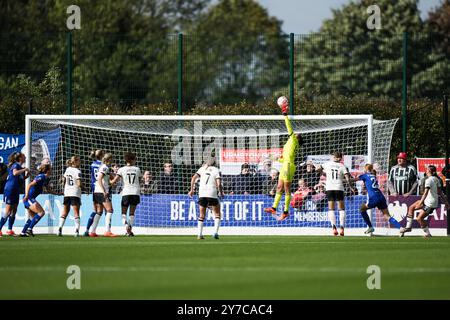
x=376, y=199
x=16, y=176
x=34, y=189
x=96, y=155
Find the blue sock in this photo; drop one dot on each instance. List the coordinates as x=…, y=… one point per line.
x=25, y=227
x=12, y=218
x=366, y=218
x=394, y=223
x=90, y=221
x=2, y=222
x=34, y=221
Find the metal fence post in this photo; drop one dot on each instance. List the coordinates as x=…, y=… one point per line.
x=180, y=73
x=69, y=73
x=404, y=90
x=291, y=74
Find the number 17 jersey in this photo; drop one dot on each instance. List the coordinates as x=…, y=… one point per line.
x=131, y=177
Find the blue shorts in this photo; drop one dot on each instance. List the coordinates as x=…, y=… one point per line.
x=29, y=202
x=11, y=198
x=377, y=202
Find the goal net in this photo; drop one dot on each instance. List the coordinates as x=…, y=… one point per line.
x=170, y=149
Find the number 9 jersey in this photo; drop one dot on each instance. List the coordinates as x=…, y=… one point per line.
x=71, y=189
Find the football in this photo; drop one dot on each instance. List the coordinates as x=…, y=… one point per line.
x=282, y=101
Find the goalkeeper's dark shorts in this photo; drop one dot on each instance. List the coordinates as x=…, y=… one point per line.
x=206, y=202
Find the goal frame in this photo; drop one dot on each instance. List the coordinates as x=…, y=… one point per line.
x=368, y=118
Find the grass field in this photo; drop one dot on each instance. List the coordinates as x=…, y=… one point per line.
x=234, y=267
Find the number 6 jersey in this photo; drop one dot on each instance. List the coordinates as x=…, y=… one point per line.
x=131, y=177
x=71, y=188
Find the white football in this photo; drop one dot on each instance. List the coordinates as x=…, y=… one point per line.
x=282, y=101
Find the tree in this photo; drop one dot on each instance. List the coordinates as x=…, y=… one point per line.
x=235, y=52
x=345, y=57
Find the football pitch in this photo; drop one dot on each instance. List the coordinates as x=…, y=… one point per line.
x=233, y=267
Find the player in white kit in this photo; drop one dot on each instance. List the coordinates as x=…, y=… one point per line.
x=102, y=196
x=131, y=192
x=427, y=204
x=210, y=189
x=72, y=194
x=336, y=173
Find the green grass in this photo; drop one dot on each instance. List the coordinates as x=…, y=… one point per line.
x=234, y=267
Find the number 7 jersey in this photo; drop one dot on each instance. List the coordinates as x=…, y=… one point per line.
x=131, y=177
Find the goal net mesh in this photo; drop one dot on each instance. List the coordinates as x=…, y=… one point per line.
x=170, y=151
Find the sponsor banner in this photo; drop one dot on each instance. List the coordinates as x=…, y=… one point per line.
x=167, y=211
x=231, y=160
x=239, y=211
x=423, y=163
x=44, y=145
x=398, y=208
x=354, y=163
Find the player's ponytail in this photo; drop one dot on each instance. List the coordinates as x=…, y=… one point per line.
x=71, y=162
x=97, y=154
x=369, y=168
x=14, y=157
x=107, y=158
x=44, y=168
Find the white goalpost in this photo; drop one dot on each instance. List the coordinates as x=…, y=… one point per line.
x=170, y=149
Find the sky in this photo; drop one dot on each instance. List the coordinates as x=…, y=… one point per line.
x=304, y=16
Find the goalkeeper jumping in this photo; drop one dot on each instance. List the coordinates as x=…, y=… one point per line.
x=288, y=166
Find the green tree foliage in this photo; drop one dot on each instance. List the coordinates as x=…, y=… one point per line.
x=235, y=52
x=345, y=57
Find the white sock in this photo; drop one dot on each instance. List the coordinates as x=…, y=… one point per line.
x=61, y=222
x=342, y=218
x=426, y=230
x=216, y=225
x=124, y=219
x=95, y=223
x=332, y=217
x=409, y=222
x=108, y=221
x=131, y=221
x=77, y=224
x=200, y=228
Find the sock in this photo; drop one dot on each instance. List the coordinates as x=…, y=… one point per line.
x=332, y=218
x=200, y=228
x=366, y=218
x=62, y=220
x=108, y=221
x=26, y=225
x=277, y=199
x=77, y=224
x=34, y=221
x=426, y=230
x=90, y=220
x=12, y=218
x=394, y=223
x=124, y=219
x=409, y=221
x=216, y=225
x=95, y=222
x=2, y=222
x=342, y=218
x=287, y=201
x=131, y=222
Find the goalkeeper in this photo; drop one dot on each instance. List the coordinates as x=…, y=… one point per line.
x=288, y=166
